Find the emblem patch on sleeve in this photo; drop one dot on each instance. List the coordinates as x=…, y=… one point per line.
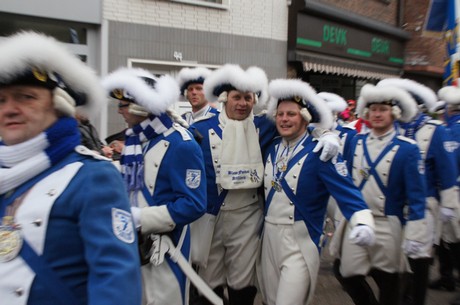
x=122, y=224
x=450, y=146
x=341, y=168
x=193, y=178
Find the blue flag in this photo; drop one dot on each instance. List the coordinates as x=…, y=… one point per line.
x=451, y=37
x=437, y=16
x=441, y=19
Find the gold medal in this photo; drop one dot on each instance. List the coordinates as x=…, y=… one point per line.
x=10, y=240
x=276, y=185
x=281, y=167
x=364, y=173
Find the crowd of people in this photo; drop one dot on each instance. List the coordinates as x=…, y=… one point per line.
x=227, y=200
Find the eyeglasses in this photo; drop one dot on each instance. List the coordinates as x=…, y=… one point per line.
x=121, y=105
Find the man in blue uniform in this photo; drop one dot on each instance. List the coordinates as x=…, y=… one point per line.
x=67, y=235
x=191, y=81
x=449, y=255
x=346, y=133
x=297, y=188
x=441, y=178
x=388, y=170
x=163, y=170
x=233, y=143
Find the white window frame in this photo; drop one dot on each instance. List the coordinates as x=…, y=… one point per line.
x=225, y=5
x=171, y=68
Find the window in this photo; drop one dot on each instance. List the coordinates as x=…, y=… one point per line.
x=220, y=4
x=64, y=31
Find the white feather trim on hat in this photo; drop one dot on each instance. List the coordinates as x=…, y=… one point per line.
x=419, y=91
x=289, y=88
x=450, y=94
x=155, y=100
x=24, y=50
x=189, y=76
x=253, y=79
x=334, y=101
x=373, y=94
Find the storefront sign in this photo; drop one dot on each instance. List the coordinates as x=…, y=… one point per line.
x=328, y=37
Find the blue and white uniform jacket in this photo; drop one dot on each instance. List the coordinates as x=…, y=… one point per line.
x=345, y=133
x=208, y=133
x=391, y=179
x=451, y=232
x=453, y=125
x=201, y=114
x=76, y=222
x=437, y=152
x=173, y=196
x=307, y=184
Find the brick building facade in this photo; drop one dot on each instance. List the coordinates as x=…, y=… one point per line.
x=425, y=53
x=394, y=44
x=336, y=45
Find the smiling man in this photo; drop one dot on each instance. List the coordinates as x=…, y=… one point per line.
x=297, y=188
x=233, y=143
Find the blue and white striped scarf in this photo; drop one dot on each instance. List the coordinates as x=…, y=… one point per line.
x=132, y=158
x=411, y=128
x=23, y=161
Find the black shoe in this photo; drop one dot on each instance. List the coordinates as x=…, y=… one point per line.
x=441, y=284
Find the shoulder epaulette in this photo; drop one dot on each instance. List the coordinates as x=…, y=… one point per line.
x=406, y=139
x=205, y=117
x=262, y=113
x=435, y=122
x=83, y=150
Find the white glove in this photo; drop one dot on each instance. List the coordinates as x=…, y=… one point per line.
x=412, y=247
x=446, y=214
x=330, y=143
x=362, y=235
x=136, y=213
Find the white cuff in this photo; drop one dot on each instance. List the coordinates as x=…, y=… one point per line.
x=136, y=213
x=156, y=220
x=363, y=217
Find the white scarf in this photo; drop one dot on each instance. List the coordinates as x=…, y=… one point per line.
x=241, y=165
x=25, y=160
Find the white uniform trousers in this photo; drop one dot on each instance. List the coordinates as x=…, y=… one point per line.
x=284, y=275
x=426, y=250
x=384, y=255
x=234, y=248
x=160, y=286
